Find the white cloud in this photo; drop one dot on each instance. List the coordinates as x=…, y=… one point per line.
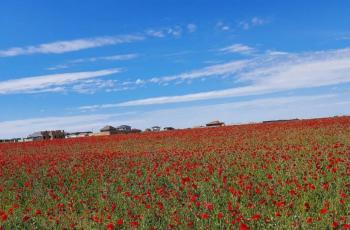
x=119, y=57
x=265, y=74
x=69, y=46
x=253, y=22
x=242, y=111
x=274, y=52
x=213, y=70
x=191, y=28
x=57, y=67
x=155, y=33
x=139, y=82
x=175, y=31
x=238, y=48
x=50, y=83
x=59, y=47
x=222, y=26
x=90, y=86
x=344, y=37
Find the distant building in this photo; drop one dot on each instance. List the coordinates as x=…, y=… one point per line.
x=215, y=124
x=148, y=130
x=36, y=136
x=124, y=128
x=168, y=128
x=78, y=134
x=27, y=139
x=46, y=135
x=108, y=130
x=13, y=140
x=156, y=128
x=99, y=134
x=272, y=121
x=56, y=134
x=136, y=131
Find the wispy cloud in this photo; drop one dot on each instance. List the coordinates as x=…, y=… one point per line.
x=225, y=69
x=275, y=52
x=344, y=37
x=59, y=47
x=214, y=70
x=156, y=33
x=191, y=28
x=222, y=26
x=265, y=74
x=119, y=57
x=253, y=22
x=50, y=83
x=69, y=45
x=238, y=48
x=175, y=31
x=57, y=67
x=179, y=53
x=91, y=86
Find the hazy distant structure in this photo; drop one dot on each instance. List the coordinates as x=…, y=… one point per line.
x=272, y=121
x=46, y=135
x=78, y=134
x=124, y=128
x=108, y=130
x=136, y=131
x=156, y=128
x=215, y=124
x=12, y=140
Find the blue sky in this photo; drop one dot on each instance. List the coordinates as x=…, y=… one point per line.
x=80, y=65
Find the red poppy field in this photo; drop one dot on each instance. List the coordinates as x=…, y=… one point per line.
x=287, y=175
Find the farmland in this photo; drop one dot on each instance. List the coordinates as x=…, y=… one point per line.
x=287, y=175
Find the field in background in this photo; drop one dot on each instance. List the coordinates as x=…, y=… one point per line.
x=261, y=176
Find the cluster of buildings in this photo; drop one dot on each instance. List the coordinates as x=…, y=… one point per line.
x=158, y=128
x=105, y=131
x=41, y=135
x=110, y=130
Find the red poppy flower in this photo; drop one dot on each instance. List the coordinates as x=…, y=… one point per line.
x=243, y=226
x=25, y=218
x=134, y=224
x=120, y=222
x=3, y=217
x=220, y=215
x=204, y=216
x=323, y=210
x=256, y=216
x=110, y=226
